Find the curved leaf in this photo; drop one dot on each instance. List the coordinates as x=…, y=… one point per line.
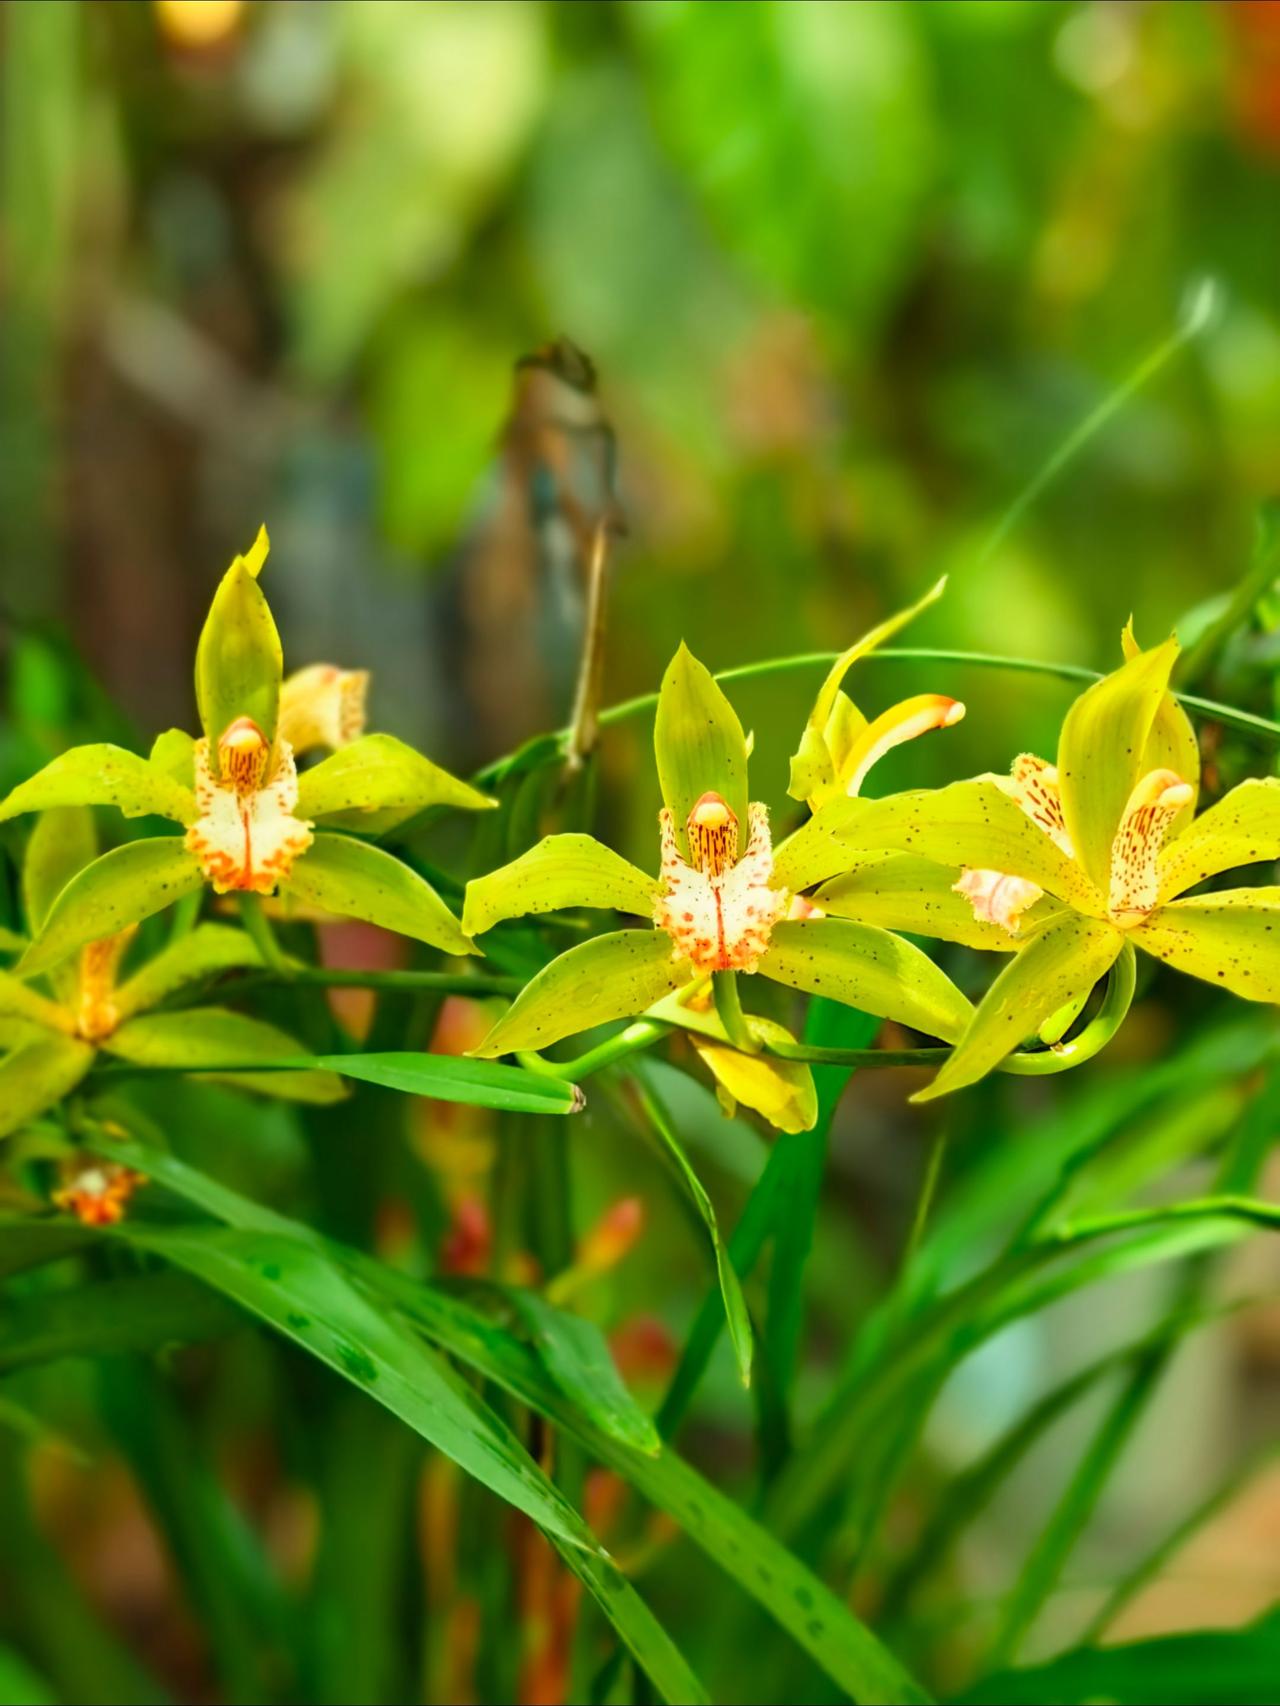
x=354, y=880
x=174, y=752
x=561, y=871
x=1101, y=751
x=611, y=977
x=698, y=743
x=867, y=968
x=577, y=1359
x=202, y=952
x=38, y=1075
x=1242, y=828
x=906, y=892
x=449, y=1078
x=1066, y=955
x=379, y=773
x=103, y=775
x=1230, y=939
x=216, y=1042
x=120, y=888
x=19, y=1001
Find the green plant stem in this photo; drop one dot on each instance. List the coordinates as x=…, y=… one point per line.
x=549, y=748
x=263, y=937
x=412, y=982
x=729, y=1011
x=642, y=1034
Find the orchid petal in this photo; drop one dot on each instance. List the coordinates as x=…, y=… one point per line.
x=1242, y=828
x=698, y=742
x=1172, y=743
x=561, y=871
x=781, y=1091
x=103, y=775
x=62, y=842
x=812, y=767
x=904, y=892
x=1230, y=939
x=1064, y=958
x=903, y=722
x=1101, y=752
x=119, y=889
x=867, y=968
x=380, y=773
x=1155, y=802
x=611, y=977
x=354, y=880
x=323, y=706
x=239, y=662
x=973, y=824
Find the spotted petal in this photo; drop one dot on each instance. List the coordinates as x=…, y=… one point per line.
x=901, y=891
x=867, y=968
x=611, y=977
x=561, y=871
x=972, y=824
x=119, y=889
x=1061, y=960
x=380, y=774
x=1230, y=939
x=103, y=775
x=1102, y=750
x=1242, y=828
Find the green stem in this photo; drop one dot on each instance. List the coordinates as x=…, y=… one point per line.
x=642, y=1034
x=724, y=986
x=928, y=1188
x=258, y=926
x=554, y=745
x=412, y=982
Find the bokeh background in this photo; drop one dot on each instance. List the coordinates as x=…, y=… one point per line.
x=849, y=275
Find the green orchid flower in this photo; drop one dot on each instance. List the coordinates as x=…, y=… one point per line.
x=51, y=1035
x=716, y=909
x=1077, y=864
x=251, y=824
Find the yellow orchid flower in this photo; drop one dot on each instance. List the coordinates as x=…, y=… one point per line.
x=250, y=823
x=1103, y=845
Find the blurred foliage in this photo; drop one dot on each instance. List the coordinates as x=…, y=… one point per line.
x=850, y=274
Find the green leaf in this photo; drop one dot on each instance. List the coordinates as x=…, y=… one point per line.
x=735, y=1305
x=973, y=824
x=120, y=888
x=38, y=1075
x=1058, y=960
x=239, y=663
x=1237, y=1667
x=610, y=977
x=561, y=871
x=1229, y=939
x=354, y=880
x=62, y=842
x=202, y=952
x=380, y=773
x=145, y=1313
x=20, y=1685
x=867, y=968
x=301, y=1294
x=698, y=742
x=1100, y=755
x=905, y=892
x=820, y=1621
x=577, y=1359
x=225, y=1046
x=103, y=776
x=1242, y=828
x=450, y=1078
x=813, y=766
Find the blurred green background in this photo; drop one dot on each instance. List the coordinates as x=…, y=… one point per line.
x=849, y=274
